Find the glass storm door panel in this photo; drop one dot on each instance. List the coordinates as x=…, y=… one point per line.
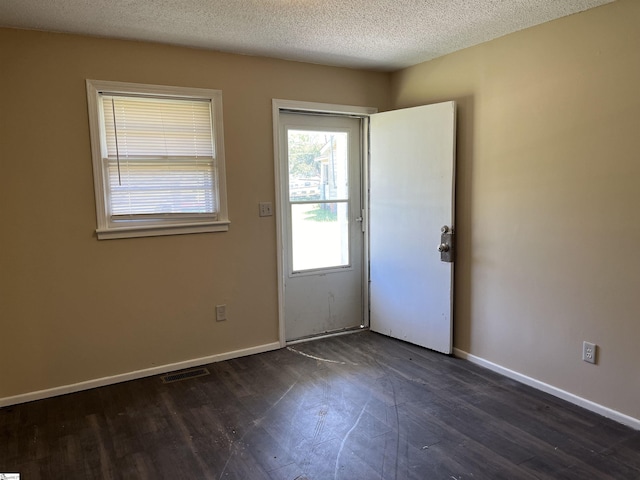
x=318, y=166
x=321, y=207
x=319, y=235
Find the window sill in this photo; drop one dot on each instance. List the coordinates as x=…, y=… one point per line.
x=159, y=230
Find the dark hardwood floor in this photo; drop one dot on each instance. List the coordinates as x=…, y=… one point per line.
x=367, y=407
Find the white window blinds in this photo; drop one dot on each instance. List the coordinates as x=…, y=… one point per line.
x=159, y=158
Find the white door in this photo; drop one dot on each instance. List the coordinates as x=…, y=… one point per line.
x=321, y=209
x=411, y=199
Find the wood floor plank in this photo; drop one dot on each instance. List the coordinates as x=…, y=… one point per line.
x=359, y=406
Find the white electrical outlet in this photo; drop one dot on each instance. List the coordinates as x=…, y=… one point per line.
x=589, y=352
x=265, y=209
x=221, y=313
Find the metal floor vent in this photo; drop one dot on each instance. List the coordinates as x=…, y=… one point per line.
x=184, y=374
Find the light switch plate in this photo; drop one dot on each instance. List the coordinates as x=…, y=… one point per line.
x=265, y=209
x=221, y=313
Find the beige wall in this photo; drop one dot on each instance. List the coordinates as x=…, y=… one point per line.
x=73, y=308
x=548, y=211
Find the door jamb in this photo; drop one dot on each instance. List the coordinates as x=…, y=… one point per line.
x=294, y=106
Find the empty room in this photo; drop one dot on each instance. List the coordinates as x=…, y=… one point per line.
x=304, y=240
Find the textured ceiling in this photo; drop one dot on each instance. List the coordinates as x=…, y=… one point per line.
x=372, y=34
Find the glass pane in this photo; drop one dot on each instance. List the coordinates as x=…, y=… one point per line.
x=320, y=234
x=318, y=165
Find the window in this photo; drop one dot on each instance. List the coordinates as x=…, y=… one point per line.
x=158, y=159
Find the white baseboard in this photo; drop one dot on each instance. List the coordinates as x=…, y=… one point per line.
x=123, y=377
x=550, y=389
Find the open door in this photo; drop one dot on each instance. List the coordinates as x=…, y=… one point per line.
x=411, y=202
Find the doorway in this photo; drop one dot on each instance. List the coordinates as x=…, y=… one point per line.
x=321, y=207
x=326, y=280
x=386, y=248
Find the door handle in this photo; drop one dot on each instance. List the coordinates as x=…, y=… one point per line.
x=443, y=247
x=360, y=220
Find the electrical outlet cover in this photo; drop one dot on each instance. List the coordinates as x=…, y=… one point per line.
x=589, y=352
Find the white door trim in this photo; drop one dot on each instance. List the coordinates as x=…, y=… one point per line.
x=278, y=106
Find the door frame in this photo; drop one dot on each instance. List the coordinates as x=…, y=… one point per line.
x=293, y=106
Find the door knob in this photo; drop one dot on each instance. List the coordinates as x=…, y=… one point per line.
x=443, y=247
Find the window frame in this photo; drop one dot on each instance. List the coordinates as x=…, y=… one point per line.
x=107, y=228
